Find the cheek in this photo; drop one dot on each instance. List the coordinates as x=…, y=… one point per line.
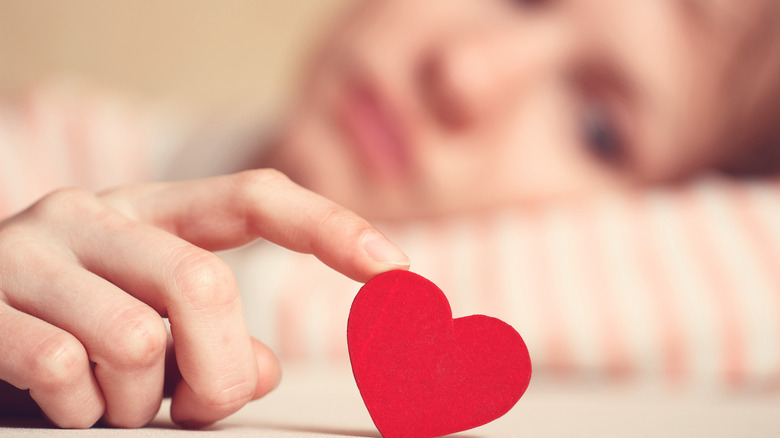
x=544, y=155
x=527, y=155
x=536, y=156
x=512, y=155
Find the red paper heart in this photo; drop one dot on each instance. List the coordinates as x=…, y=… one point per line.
x=422, y=373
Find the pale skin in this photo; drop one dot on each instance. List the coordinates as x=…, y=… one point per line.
x=412, y=109
x=64, y=303
x=442, y=106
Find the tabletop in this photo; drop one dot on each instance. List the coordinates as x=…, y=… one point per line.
x=325, y=402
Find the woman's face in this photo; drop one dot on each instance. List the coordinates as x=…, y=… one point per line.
x=427, y=107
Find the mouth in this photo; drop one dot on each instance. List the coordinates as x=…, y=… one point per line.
x=374, y=131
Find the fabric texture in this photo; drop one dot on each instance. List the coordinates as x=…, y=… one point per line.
x=674, y=287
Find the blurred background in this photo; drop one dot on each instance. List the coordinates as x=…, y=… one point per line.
x=205, y=53
x=685, y=282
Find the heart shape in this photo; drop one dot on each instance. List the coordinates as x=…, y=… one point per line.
x=422, y=373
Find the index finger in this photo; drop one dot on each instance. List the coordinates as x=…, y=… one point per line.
x=229, y=211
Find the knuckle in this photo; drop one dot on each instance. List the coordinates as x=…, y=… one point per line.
x=12, y=238
x=340, y=218
x=251, y=182
x=65, y=202
x=204, y=280
x=137, y=339
x=57, y=362
x=262, y=177
x=333, y=221
x=338, y=221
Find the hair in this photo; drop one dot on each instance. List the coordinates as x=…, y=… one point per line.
x=752, y=90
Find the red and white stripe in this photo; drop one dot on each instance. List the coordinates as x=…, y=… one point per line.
x=675, y=286
x=66, y=136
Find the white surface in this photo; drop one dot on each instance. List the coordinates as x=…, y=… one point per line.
x=326, y=403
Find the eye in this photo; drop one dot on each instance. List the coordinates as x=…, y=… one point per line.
x=600, y=133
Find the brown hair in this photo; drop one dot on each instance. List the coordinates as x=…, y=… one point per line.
x=751, y=89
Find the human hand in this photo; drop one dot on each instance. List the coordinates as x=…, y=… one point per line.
x=85, y=281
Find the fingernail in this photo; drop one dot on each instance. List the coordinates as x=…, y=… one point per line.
x=382, y=250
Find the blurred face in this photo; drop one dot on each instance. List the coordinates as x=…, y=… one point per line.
x=417, y=108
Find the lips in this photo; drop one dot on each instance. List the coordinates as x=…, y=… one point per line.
x=374, y=131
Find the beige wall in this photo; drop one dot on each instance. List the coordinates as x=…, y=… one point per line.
x=203, y=52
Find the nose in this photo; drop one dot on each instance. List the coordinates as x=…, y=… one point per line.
x=470, y=76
